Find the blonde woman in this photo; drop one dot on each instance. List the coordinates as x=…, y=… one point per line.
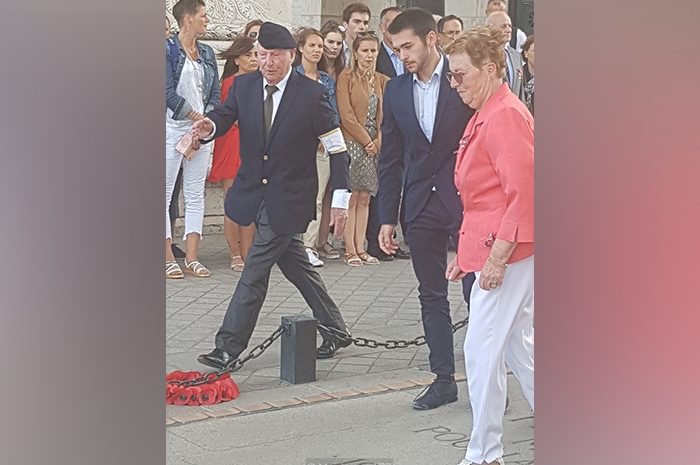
x=360, y=91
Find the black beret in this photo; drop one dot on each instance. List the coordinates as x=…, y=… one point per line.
x=273, y=36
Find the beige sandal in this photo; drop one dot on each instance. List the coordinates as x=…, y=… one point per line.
x=237, y=263
x=368, y=259
x=352, y=259
x=197, y=269
x=173, y=270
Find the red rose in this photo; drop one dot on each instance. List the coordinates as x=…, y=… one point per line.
x=194, y=392
x=209, y=394
x=181, y=396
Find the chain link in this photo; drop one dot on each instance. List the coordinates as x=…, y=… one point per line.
x=258, y=350
x=390, y=343
x=235, y=365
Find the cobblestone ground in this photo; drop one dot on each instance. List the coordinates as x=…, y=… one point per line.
x=377, y=301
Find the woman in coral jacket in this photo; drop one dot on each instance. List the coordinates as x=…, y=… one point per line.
x=494, y=175
x=241, y=58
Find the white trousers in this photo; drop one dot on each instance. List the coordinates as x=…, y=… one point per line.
x=323, y=167
x=194, y=175
x=500, y=334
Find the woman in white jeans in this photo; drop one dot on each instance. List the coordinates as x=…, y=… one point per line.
x=494, y=175
x=192, y=87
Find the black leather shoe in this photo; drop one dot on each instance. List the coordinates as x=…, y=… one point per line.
x=439, y=393
x=330, y=346
x=379, y=253
x=177, y=251
x=217, y=358
x=402, y=254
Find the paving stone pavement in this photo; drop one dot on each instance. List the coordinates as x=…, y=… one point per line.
x=357, y=411
x=377, y=301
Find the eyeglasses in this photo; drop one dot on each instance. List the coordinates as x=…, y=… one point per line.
x=458, y=76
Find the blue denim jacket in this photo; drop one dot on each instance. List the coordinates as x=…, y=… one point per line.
x=211, y=88
x=327, y=82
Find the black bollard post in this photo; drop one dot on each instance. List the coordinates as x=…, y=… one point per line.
x=298, y=349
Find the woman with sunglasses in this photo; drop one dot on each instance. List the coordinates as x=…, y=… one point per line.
x=241, y=58
x=494, y=175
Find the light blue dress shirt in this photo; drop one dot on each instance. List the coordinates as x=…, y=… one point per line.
x=395, y=60
x=425, y=98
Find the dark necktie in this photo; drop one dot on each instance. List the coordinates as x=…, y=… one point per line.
x=267, y=108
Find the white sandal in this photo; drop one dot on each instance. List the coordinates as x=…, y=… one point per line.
x=197, y=269
x=173, y=270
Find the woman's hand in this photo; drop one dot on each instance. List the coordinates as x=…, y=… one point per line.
x=371, y=149
x=492, y=274
x=495, y=267
x=453, y=271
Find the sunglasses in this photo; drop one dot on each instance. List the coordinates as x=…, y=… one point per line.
x=457, y=76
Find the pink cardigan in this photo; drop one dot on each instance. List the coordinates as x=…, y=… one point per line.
x=494, y=175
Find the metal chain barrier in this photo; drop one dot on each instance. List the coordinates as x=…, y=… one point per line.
x=258, y=350
x=388, y=344
x=235, y=365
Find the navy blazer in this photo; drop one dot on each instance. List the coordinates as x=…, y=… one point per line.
x=405, y=150
x=283, y=171
x=384, y=64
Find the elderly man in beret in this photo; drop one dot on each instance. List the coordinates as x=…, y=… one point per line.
x=281, y=115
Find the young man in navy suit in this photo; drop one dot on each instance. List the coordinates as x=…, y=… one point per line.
x=281, y=115
x=424, y=120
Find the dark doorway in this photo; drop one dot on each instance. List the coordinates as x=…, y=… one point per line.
x=522, y=13
x=436, y=7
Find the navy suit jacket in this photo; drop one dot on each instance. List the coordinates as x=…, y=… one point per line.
x=406, y=151
x=282, y=172
x=384, y=64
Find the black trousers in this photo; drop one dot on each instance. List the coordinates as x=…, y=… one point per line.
x=288, y=252
x=428, y=235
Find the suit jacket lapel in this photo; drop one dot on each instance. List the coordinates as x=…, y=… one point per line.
x=256, y=109
x=443, y=96
x=285, y=104
x=385, y=60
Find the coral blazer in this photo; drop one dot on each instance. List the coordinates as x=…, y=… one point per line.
x=495, y=176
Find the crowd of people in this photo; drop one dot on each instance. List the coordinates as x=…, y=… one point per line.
x=344, y=133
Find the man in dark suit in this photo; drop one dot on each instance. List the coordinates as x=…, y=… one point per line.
x=424, y=120
x=388, y=63
x=281, y=116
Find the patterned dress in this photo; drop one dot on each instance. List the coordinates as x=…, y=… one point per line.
x=363, y=168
